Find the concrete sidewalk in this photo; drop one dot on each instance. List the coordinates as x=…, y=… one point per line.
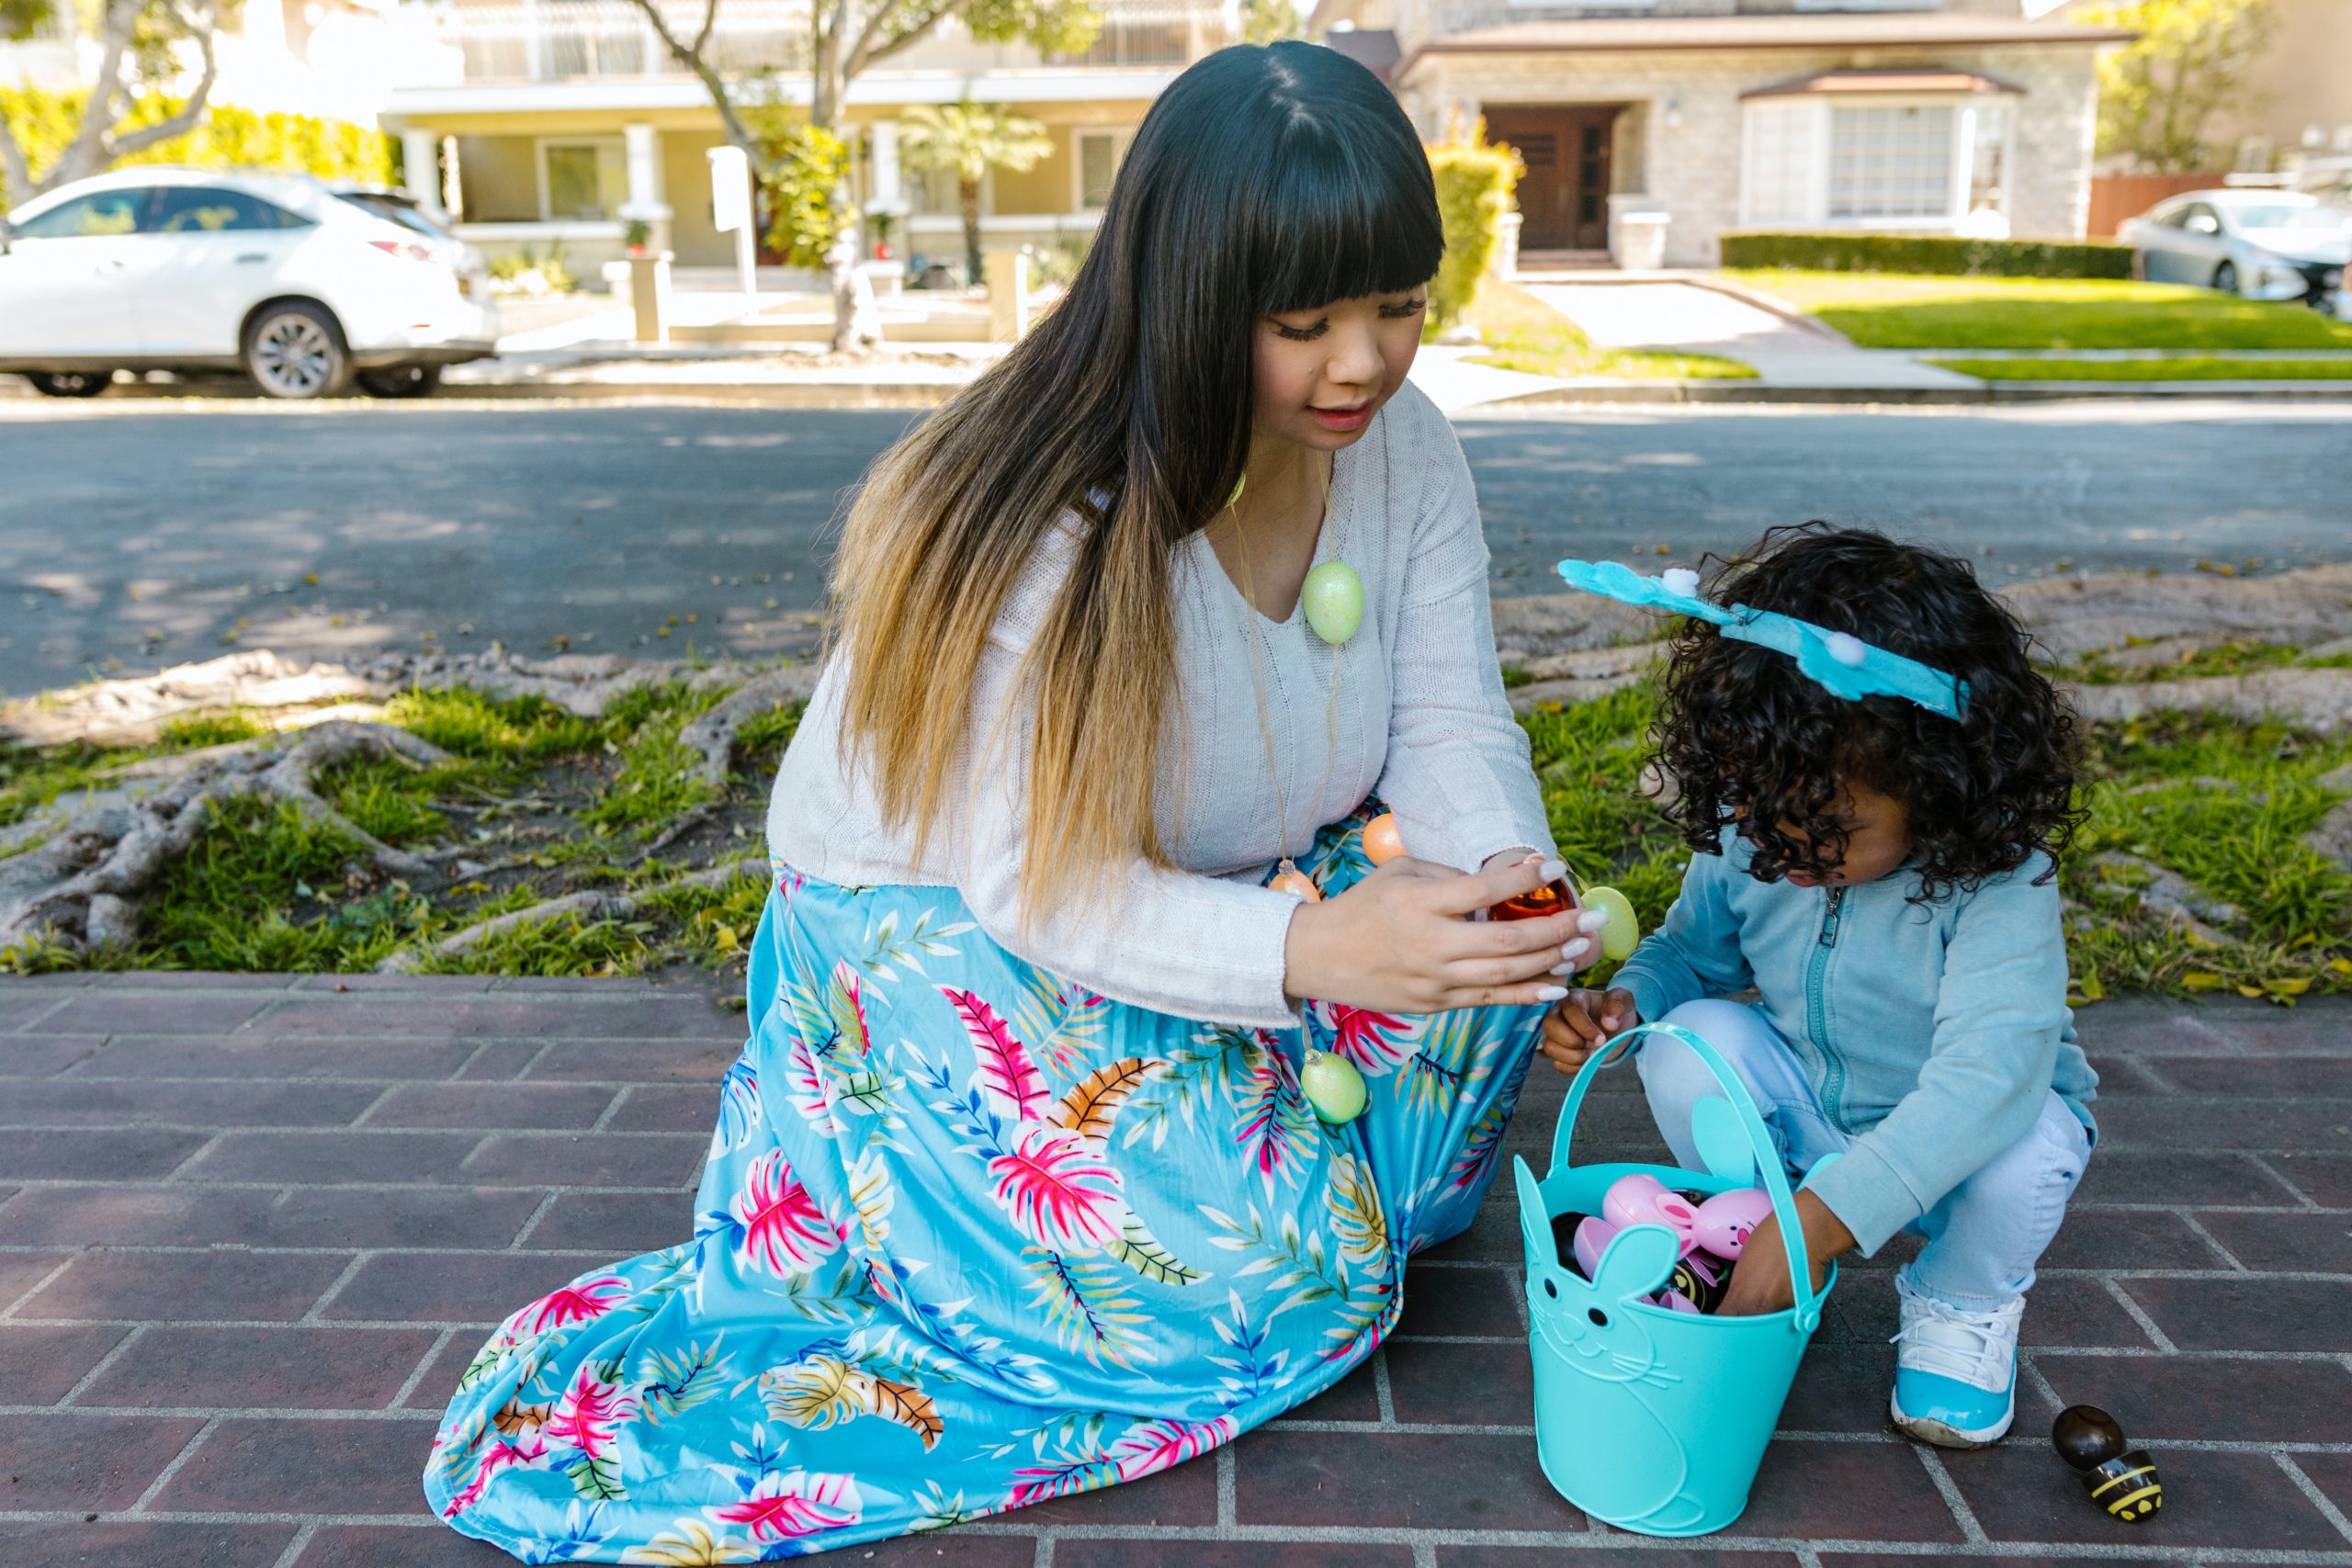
x=251, y=1227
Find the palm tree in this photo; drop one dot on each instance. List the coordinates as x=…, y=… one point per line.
x=968, y=139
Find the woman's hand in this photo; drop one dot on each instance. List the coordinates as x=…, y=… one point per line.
x=1401, y=941
x=1583, y=1021
x=1759, y=1280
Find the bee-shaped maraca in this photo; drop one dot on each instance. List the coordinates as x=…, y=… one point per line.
x=2120, y=1479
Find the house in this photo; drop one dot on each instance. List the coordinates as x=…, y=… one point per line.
x=1911, y=116
x=552, y=124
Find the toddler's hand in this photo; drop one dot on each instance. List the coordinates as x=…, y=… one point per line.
x=1578, y=1025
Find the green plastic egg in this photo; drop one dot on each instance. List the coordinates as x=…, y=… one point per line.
x=1333, y=1087
x=1618, y=937
x=1334, y=599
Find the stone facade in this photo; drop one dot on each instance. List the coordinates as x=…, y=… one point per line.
x=1678, y=138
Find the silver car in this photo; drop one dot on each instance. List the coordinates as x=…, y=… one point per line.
x=2263, y=244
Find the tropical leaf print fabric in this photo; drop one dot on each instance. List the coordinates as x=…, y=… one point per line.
x=969, y=1237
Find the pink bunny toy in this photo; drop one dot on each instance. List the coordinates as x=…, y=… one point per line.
x=1592, y=1239
x=1724, y=1221
x=1644, y=1200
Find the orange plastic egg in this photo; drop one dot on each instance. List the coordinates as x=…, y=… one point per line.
x=1297, y=882
x=1382, y=840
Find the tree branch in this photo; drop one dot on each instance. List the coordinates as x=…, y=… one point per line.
x=200, y=23
x=867, y=50
x=691, y=57
x=82, y=155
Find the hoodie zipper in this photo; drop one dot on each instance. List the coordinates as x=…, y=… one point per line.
x=1833, y=1077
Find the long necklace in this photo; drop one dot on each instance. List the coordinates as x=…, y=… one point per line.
x=1332, y=599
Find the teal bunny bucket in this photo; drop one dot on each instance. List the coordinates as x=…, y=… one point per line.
x=1649, y=1419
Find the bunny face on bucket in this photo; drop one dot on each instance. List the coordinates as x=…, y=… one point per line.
x=1593, y=1324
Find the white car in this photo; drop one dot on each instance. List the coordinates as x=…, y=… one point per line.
x=2264, y=245
x=301, y=284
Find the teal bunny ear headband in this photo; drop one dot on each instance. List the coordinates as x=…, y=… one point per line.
x=1840, y=664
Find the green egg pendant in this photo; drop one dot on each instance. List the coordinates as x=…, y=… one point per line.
x=1333, y=1087
x=1334, y=600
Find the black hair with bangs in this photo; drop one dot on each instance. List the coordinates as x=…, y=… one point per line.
x=1265, y=180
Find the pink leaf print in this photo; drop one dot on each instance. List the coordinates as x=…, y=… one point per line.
x=1011, y=1080
x=1059, y=1192
x=498, y=1456
x=1276, y=1122
x=584, y=1301
x=1036, y=1483
x=784, y=1231
x=590, y=1415
x=1375, y=1041
x=1151, y=1446
x=796, y=1503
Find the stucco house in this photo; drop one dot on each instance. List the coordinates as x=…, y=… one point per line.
x=1913, y=115
x=547, y=123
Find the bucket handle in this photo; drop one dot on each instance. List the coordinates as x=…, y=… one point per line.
x=1767, y=1155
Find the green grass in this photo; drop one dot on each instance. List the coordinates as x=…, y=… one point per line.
x=562, y=804
x=2176, y=367
x=2214, y=659
x=1524, y=334
x=1888, y=310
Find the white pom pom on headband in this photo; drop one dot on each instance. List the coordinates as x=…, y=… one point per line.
x=1840, y=664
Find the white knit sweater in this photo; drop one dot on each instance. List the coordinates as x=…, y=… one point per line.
x=1423, y=719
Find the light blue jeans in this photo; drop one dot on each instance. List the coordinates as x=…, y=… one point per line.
x=1985, y=1234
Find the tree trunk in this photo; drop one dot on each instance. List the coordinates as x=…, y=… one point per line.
x=967, y=196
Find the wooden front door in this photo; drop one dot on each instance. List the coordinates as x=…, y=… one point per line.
x=1564, y=195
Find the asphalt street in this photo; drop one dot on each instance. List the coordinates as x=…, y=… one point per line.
x=134, y=536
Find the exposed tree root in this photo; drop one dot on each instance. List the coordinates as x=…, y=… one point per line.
x=596, y=904
x=713, y=738
x=2169, y=897
x=81, y=886
x=2312, y=699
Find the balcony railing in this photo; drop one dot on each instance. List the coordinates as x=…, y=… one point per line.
x=545, y=41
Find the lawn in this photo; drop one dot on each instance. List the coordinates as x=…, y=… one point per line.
x=1525, y=334
x=1891, y=311
x=2172, y=367
x=545, y=803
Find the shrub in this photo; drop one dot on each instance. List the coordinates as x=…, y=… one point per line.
x=811, y=170
x=1474, y=180
x=1941, y=254
x=45, y=122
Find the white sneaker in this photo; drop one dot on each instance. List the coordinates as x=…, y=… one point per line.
x=1955, y=1379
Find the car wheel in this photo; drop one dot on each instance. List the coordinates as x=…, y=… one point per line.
x=295, y=350
x=2225, y=277
x=401, y=381
x=70, y=383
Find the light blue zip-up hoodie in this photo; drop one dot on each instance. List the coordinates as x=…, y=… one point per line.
x=1930, y=1032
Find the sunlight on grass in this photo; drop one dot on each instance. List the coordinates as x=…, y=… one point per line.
x=1902, y=311
x=2172, y=367
x=1524, y=334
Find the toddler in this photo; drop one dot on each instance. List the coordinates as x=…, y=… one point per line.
x=1881, y=876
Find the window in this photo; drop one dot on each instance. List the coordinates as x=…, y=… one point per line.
x=196, y=209
x=585, y=179
x=1100, y=153
x=1778, y=169
x=1915, y=161
x=101, y=216
x=1890, y=162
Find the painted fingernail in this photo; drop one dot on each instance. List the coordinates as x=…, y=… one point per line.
x=1564, y=968
x=1553, y=870
x=1550, y=993
x=1575, y=948
x=1592, y=920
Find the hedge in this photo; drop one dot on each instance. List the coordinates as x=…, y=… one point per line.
x=46, y=121
x=1943, y=255
x=1474, y=181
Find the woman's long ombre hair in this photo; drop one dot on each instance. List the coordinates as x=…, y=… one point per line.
x=1263, y=181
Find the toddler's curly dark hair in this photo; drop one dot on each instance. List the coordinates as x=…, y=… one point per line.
x=1750, y=741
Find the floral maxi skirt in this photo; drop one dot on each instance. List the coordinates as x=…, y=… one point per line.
x=970, y=1238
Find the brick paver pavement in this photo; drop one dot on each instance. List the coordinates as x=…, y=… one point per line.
x=251, y=1227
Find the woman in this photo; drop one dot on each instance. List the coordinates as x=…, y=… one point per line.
x=1015, y=1192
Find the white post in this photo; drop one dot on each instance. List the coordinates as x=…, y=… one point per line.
x=534, y=44
x=420, y=169
x=731, y=209
x=645, y=205
x=887, y=196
